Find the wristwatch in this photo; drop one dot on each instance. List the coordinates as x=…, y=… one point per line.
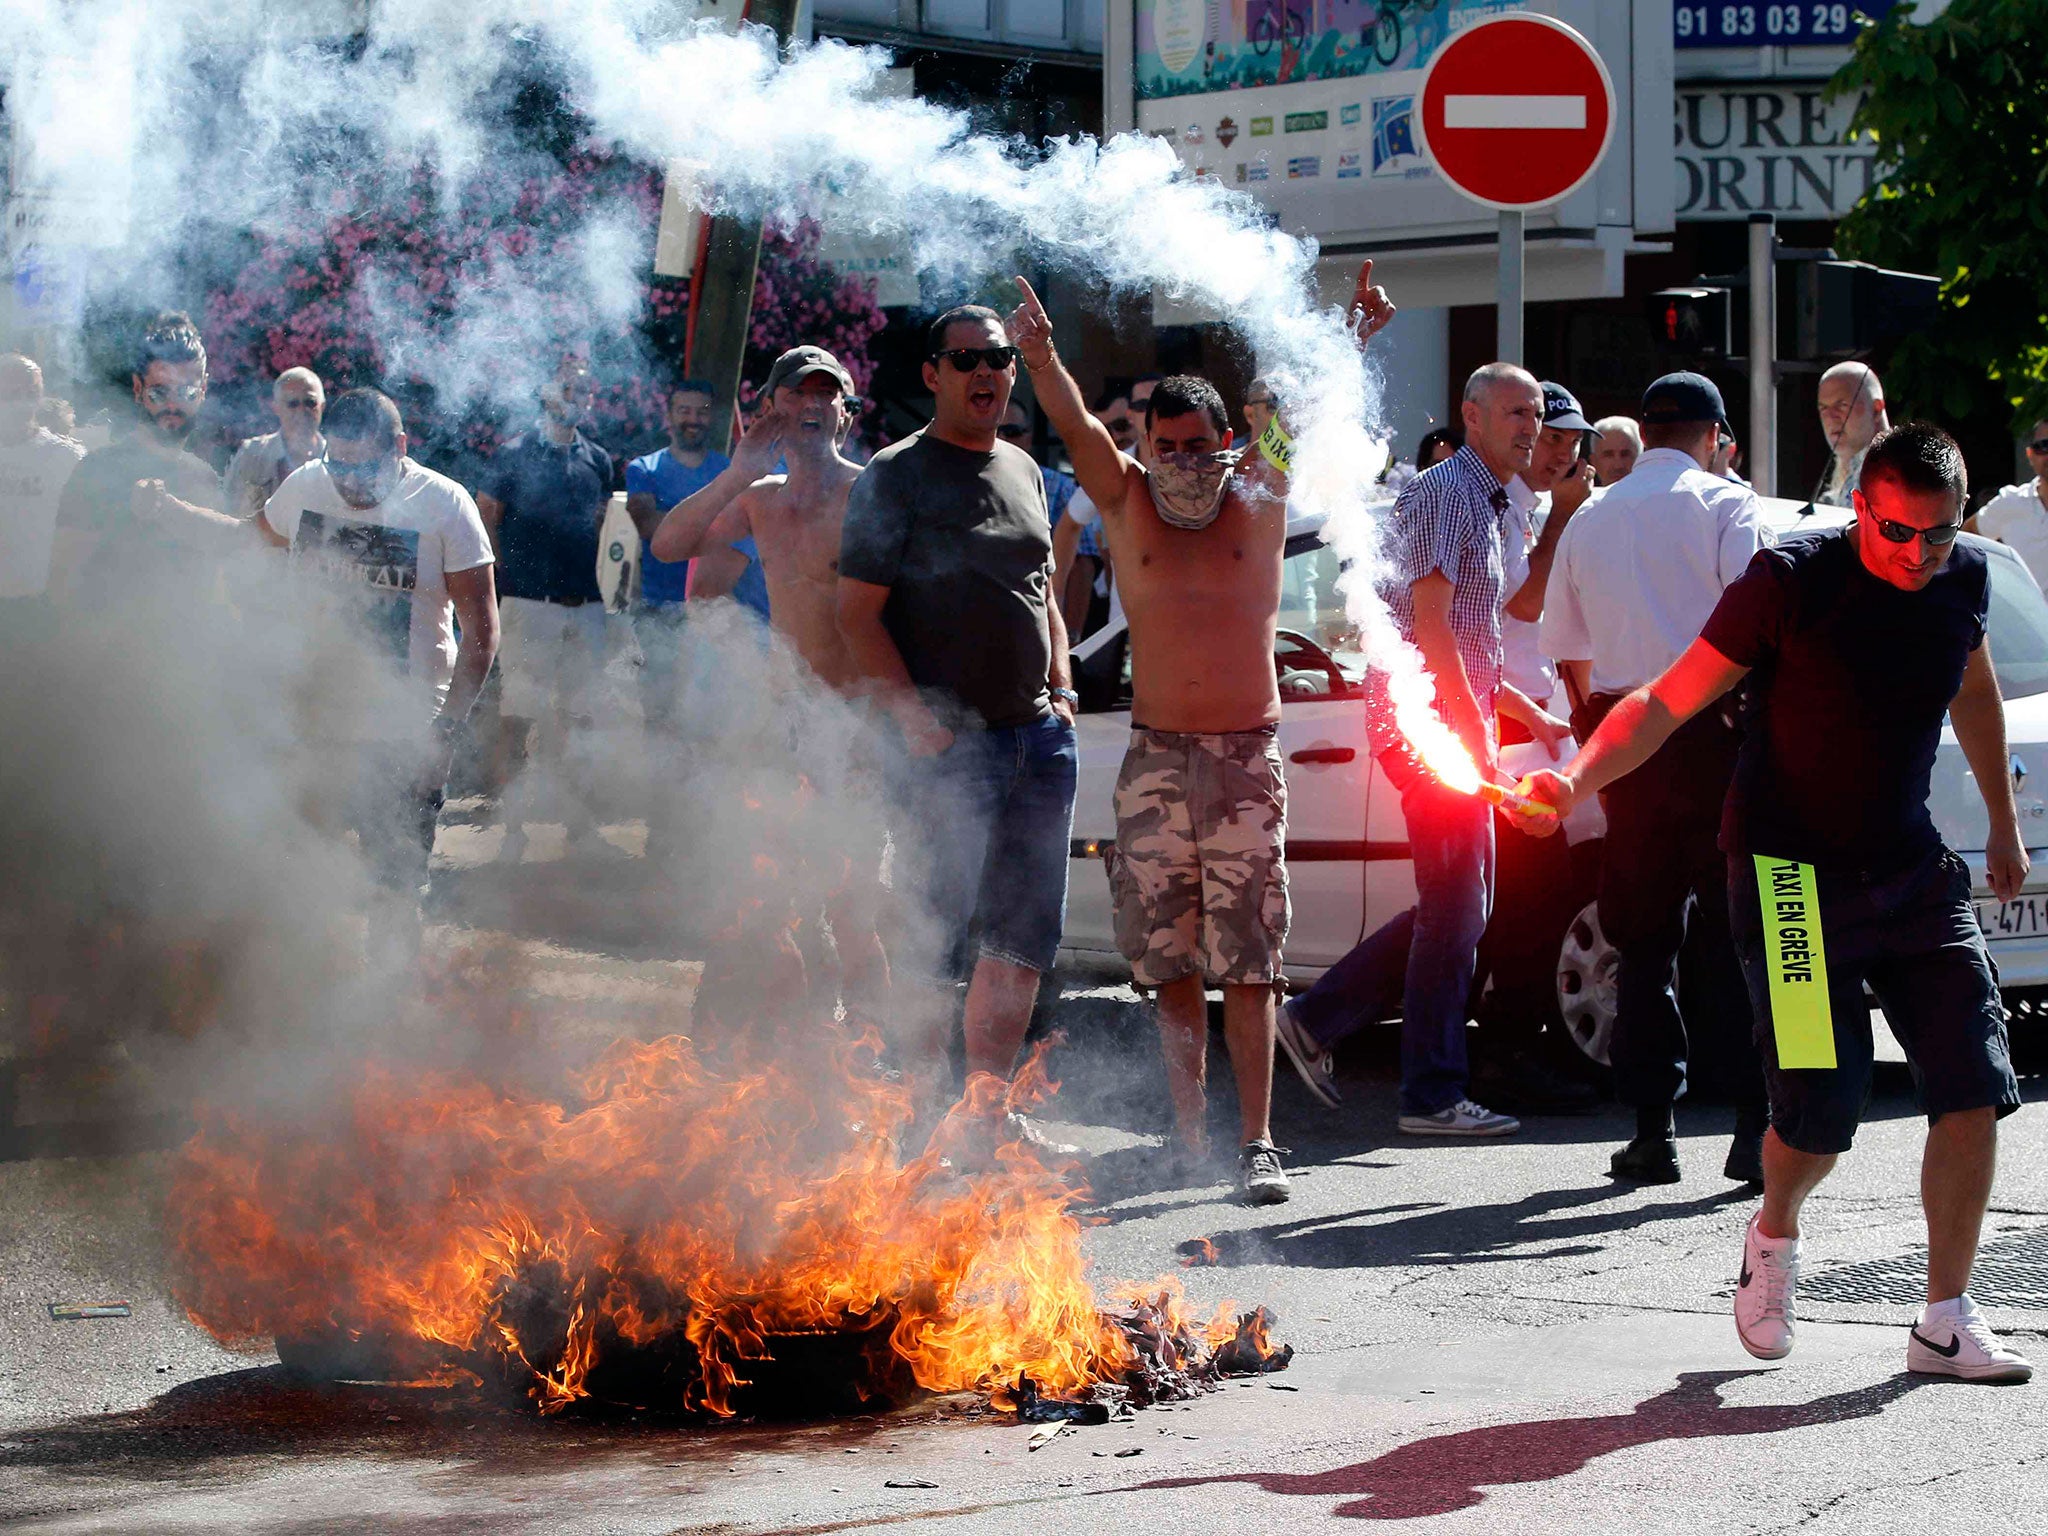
x=1066, y=693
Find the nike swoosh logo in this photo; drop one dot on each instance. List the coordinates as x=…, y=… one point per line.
x=1954, y=1344
x=1743, y=1283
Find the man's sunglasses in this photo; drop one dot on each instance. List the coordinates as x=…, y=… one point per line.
x=164, y=394
x=1940, y=536
x=967, y=359
x=2038, y=445
x=356, y=474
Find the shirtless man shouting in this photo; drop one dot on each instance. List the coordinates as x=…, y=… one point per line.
x=795, y=519
x=1197, y=536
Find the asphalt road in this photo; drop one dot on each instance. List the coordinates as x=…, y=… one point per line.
x=1491, y=1337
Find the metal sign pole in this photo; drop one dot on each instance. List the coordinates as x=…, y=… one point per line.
x=1763, y=353
x=1508, y=324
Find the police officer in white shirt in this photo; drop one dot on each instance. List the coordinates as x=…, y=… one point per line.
x=2018, y=515
x=1635, y=576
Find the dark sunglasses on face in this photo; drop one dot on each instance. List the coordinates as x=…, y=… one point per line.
x=163, y=394
x=1940, y=536
x=967, y=359
x=1266, y=402
x=2038, y=445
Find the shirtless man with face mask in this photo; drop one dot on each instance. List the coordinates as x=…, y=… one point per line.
x=1198, y=535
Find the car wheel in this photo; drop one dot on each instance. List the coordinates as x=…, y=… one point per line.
x=1588, y=972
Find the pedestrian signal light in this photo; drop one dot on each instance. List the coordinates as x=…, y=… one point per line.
x=1692, y=321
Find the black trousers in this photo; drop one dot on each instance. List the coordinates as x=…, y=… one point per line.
x=1662, y=869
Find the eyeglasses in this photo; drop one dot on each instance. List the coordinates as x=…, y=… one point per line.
x=1266, y=402
x=1940, y=536
x=164, y=394
x=2038, y=445
x=967, y=359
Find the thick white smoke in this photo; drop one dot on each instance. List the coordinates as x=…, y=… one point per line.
x=199, y=111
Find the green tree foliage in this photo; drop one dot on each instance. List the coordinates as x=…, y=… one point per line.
x=1958, y=106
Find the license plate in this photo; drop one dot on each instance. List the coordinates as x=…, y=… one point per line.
x=2025, y=917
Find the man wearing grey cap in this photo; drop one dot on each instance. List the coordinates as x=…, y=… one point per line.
x=1635, y=576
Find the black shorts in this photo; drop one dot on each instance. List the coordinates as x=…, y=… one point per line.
x=1913, y=936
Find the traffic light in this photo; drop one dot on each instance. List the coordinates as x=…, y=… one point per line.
x=1850, y=308
x=1693, y=321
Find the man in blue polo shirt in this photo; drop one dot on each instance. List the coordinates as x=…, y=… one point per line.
x=544, y=499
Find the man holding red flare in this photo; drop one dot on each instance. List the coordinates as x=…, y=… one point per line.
x=1854, y=643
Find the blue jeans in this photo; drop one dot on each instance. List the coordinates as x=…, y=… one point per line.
x=1425, y=956
x=988, y=825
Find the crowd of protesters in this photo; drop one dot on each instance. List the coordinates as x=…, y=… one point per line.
x=1556, y=574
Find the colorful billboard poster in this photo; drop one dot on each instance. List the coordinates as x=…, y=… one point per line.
x=1190, y=47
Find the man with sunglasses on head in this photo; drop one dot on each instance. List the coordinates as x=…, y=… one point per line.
x=945, y=600
x=544, y=498
x=1850, y=646
x=398, y=555
x=1635, y=575
x=142, y=510
x=2018, y=515
x=260, y=465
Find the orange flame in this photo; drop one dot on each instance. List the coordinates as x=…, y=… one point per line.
x=663, y=1205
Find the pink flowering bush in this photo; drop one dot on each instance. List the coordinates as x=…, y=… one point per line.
x=458, y=300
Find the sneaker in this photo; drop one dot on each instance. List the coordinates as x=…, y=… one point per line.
x=1646, y=1160
x=1312, y=1061
x=1463, y=1118
x=1952, y=1339
x=1259, y=1174
x=1763, y=1294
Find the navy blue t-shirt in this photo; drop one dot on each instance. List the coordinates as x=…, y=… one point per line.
x=554, y=498
x=1851, y=679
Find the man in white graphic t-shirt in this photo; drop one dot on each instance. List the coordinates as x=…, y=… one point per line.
x=397, y=554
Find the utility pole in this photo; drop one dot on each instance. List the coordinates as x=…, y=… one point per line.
x=722, y=287
x=1763, y=353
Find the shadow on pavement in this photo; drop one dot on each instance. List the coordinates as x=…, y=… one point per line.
x=1445, y=1473
x=1468, y=1234
x=192, y=1431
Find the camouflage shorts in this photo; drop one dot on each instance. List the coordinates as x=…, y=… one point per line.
x=1197, y=875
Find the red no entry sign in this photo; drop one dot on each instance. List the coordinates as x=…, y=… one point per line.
x=1517, y=111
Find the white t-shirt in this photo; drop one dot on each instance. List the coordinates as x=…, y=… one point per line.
x=1524, y=665
x=2016, y=518
x=1640, y=567
x=33, y=473
x=402, y=549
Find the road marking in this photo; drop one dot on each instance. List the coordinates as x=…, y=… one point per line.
x=1514, y=111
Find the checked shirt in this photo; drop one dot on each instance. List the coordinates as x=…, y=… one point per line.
x=1448, y=519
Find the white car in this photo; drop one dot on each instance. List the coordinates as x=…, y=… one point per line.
x=1348, y=864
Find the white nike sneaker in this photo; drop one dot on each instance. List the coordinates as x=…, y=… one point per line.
x=1463, y=1118
x=1763, y=1294
x=1952, y=1339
